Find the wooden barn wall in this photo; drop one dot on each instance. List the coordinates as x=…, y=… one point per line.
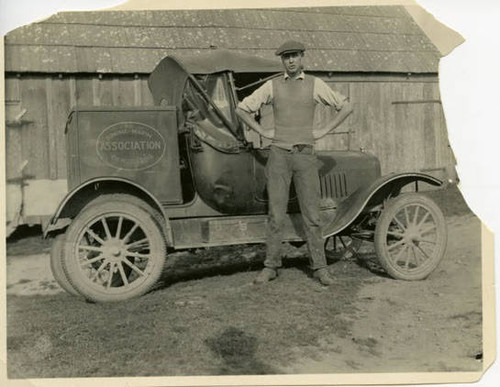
x=400, y=121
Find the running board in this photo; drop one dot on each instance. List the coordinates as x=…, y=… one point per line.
x=220, y=231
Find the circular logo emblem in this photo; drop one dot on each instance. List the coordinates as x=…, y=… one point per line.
x=130, y=146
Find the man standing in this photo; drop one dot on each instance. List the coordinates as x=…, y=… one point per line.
x=293, y=97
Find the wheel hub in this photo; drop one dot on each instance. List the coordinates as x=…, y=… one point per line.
x=412, y=236
x=114, y=250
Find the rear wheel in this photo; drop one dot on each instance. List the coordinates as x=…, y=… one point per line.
x=115, y=250
x=56, y=255
x=410, y=237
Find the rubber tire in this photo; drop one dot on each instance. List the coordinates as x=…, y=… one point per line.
x=56, y=266
x=383, y=223
x=127, y=205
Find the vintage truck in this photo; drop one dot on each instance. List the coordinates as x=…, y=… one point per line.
x=186, y=173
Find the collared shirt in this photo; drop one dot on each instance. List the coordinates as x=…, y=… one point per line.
x=322, y=93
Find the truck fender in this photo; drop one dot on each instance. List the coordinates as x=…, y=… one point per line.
x=77, y=198
x=369, y=196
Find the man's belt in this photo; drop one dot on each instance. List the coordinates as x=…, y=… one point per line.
x=302, y=148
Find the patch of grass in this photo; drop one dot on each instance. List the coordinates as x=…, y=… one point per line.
x=195, y=325
x=236, y=350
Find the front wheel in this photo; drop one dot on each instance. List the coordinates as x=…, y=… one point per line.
x=114, y=250
x=410, y=237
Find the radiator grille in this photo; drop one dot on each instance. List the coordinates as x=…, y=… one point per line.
x=333, y=185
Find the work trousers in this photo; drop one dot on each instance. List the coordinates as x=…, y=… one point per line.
x=301, y=166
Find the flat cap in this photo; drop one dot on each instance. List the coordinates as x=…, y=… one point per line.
x=290, y=46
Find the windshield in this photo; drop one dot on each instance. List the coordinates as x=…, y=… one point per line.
x=218, y=91
x=208, y=125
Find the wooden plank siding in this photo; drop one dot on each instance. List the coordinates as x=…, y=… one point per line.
x=34, y=136
x=13, y=137
x=399, y=120
x=61, y=104
x=402, y=123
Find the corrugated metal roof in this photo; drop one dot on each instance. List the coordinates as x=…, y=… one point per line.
x=344, y=39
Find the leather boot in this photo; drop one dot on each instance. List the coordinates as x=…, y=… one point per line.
x=323, y=276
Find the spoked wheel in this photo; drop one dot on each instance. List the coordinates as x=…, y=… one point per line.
x=341, y=247
x=410, y=237
x=56, y=254
x=114, y=250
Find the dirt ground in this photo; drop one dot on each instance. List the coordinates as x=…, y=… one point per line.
x=387, y=325
x=431, y=325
